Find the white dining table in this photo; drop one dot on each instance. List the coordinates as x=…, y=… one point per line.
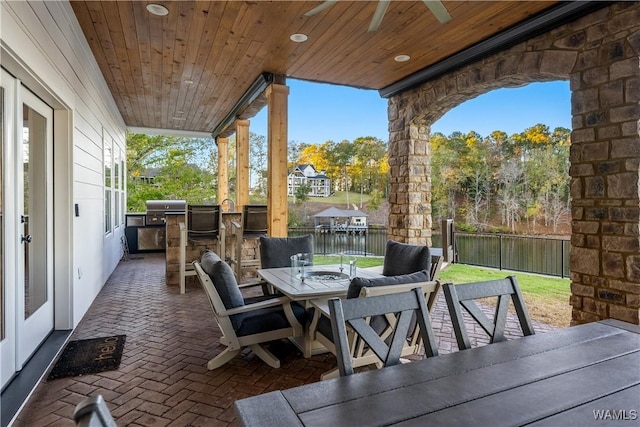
x=321, y=281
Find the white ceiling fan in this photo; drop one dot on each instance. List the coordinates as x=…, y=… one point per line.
x=435, y=6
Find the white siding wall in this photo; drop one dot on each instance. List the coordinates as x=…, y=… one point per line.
x=44, y=46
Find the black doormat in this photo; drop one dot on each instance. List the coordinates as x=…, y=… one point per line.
x=90, y=356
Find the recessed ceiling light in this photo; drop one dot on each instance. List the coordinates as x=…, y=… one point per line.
x=179, y=112
x=298, y=38
x=179, y=118
x=188, y=82
x=157, y=9
x=402, y=58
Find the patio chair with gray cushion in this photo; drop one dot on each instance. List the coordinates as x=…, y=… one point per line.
x=356, y=313
x=401, y=258
x=463, y=296
x=276, y=252
x=361, y=354
x=245, y=322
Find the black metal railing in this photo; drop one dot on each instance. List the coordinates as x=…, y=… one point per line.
x=541, y=255
x=371, y=241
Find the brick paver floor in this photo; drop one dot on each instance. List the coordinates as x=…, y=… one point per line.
x=163, y=379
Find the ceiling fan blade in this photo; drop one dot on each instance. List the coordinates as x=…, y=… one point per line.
x=439, y=11
x=322, y=6
x=381, y=9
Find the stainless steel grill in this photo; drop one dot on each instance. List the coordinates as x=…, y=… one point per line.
x=156, y=210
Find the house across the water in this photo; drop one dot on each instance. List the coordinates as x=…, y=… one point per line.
x=319, y=183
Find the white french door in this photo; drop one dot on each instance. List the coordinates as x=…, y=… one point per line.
x=26, y=232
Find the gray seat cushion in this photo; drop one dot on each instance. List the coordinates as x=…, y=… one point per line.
x=275, y=252
x=401, y=258
x=266, y=319
x=357, y=283
x=263, y=320
x=224, y=281
x=209, y=258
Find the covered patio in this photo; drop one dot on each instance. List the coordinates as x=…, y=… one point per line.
x=163, y=378
x=106, y=68
x=425, y=58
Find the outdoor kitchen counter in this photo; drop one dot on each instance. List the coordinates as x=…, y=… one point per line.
x=194, y=249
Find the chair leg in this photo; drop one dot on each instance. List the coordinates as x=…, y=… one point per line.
x=265, y=355
x=222, y=358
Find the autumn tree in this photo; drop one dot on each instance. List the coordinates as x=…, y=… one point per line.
x=525, y=175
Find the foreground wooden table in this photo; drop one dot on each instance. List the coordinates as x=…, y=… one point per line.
x=579, y=376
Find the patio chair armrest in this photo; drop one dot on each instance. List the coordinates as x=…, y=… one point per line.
x=321, y=305
x=404, y=287
x=272, y=302
x=235, y=225
x=252, y=282
x=430, y=288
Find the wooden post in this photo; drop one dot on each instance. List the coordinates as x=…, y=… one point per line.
x=223, y=168
x=277, y=208
x=242, y=163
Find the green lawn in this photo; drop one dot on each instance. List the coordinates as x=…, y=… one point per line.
x=541, y=286
x=547, y=298
x=362, y=261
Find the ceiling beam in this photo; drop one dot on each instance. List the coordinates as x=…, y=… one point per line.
x=255, y=90
x=168, y=132
x=541, y=23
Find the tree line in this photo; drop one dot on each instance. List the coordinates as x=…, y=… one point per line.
x=171, y=167
x=522, y=178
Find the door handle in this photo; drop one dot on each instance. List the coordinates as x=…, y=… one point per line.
x=26, y=239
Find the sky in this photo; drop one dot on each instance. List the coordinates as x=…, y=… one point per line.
x=323, y=112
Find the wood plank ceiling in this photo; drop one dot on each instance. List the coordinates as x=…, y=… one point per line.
x=186, y=70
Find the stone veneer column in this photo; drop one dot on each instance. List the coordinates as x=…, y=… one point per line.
x=605, y=171
x=600, y=54
x=410, y=182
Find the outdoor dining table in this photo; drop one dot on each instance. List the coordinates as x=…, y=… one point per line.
x=578, y=376
x=321, y=281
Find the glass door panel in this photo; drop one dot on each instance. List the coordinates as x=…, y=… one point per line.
x=2, y=206
x=33, y=218
x=26, y=224
x=8, y=250
x=35, y=234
